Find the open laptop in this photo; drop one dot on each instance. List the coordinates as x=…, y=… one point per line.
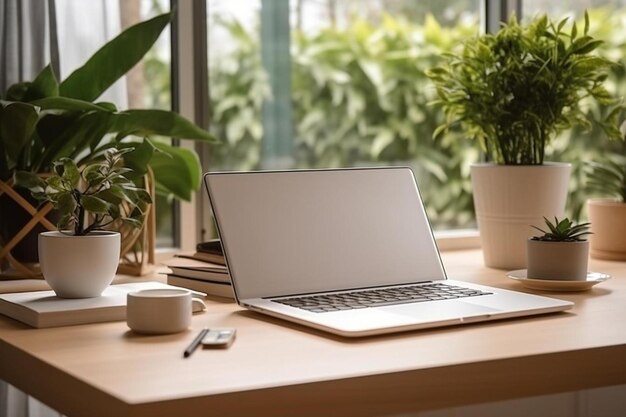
x=348, y=251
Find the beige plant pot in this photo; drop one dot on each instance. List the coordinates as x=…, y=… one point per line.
x=564, y=261
x=508, y=199
x=608, y=225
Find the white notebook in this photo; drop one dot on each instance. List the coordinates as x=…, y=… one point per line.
x=44, y=309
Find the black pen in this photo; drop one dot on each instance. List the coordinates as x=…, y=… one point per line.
x=194, y=344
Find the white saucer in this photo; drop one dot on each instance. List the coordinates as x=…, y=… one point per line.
x=593, y=278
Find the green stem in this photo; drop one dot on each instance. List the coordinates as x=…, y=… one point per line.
x=78, y=228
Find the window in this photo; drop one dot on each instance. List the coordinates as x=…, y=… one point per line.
x=86, y=26
x=326, y=83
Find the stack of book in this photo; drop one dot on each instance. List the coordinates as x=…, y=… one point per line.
x=204, y=270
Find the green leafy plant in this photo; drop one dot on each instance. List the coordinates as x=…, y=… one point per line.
x=93, y=197
x=514, y=90
x=563, y=231
x=46, y=120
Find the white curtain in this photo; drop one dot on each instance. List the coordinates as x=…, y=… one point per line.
x=24, y=40
x=24, y=51
x=25, y=44
x=82, y=28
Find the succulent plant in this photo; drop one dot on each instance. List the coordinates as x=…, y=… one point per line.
x=563, y=231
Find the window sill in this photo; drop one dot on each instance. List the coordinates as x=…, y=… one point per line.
x=449, y=240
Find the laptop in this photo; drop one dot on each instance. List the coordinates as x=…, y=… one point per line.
x=348, y=251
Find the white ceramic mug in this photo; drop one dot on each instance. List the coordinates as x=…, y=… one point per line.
x=160, y=311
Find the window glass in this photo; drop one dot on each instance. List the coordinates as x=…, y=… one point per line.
x=84, y=27
x=607, y=18
x=327, y=83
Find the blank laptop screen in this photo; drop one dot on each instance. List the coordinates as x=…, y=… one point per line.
x=297, y=232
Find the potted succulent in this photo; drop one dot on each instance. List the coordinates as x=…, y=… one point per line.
x=45, y=120
x=81, y=258
x=608, y=215
x=513, y=91
x=561, y=253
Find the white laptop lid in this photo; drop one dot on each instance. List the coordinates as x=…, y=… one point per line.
x=295, y=232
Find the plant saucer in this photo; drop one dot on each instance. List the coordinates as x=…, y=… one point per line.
x=593, y=278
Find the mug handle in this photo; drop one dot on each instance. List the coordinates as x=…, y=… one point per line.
x=199, y=304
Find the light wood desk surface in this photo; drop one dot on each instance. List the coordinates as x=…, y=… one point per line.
x=279, y=369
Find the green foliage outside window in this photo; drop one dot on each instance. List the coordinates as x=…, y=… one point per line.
x=360, y=97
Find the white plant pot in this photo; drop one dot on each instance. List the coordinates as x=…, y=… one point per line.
x=608, y=225
x=558, y=260
x=79, y=266
x=508, y=199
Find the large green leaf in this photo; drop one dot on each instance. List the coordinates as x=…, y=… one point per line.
x=70, y=104
x=139, y=158
x=113, y=60
x=45, y=85
x=52, y=125
x=18, y=91
x=16, y=127
x=74, y=137
x=177, y=170
x=157, y=122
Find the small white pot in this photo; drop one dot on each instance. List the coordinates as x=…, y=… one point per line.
x=564, y=261
x=79, y=266
x=510, y=198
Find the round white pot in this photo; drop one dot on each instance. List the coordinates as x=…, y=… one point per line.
x=558, y=260
x=508, y=199
x=608, y=225
x=79, y=266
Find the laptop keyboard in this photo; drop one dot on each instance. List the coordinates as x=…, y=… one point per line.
x=379, y=297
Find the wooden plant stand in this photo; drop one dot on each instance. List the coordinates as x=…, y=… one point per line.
x=17, y=269
x=139, y=245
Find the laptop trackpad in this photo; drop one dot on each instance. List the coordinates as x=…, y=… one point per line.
x=441, y=310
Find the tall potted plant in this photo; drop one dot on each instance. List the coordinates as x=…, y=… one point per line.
x=514, y=91
x=45, y=120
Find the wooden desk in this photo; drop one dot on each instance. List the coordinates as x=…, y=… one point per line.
x=279, y=369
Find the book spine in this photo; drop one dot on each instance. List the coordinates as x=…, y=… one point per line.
x=219, y=289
